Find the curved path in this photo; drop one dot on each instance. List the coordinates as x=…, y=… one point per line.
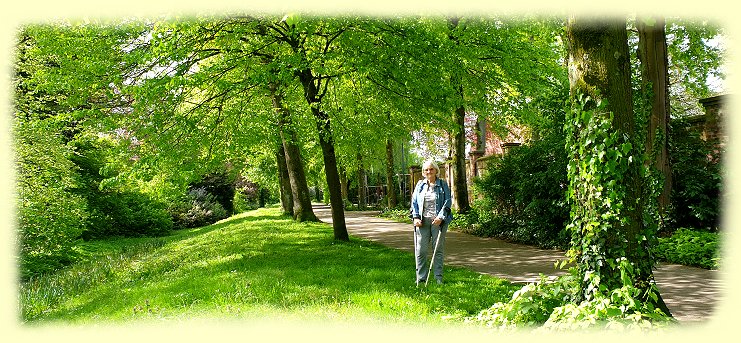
x=691, y=293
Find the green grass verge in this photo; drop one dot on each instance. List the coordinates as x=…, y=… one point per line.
x=255, y=265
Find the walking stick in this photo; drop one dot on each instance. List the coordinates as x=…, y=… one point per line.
x=415, y=243
x=434, y=251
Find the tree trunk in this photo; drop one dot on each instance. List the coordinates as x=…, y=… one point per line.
x=284, y=180
x=460, y=196
x=343, y=183
x=599, y=67
x=652, y=52
x=302, y=210
x=460, y=176
x=333, y=180
x=326, y=141
x=262, y=197
x=362, y=184
x=390, y=189
x=481, y=134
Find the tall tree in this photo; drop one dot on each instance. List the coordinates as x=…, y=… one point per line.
x=609, y=238
x=286, y=193
x=207, y=89
x=311, y=44
x=362, y=183
x=696, y=52
x=437, y=70
x=460, y=176
x=62, y=83
x=390, y=189
x=301, y=199
x=652, y=52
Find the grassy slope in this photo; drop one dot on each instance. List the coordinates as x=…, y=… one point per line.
x=254, y=265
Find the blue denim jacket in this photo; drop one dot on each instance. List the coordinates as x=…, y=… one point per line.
x=443, y=203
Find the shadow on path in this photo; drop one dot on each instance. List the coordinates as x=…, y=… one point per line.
x=691, y=293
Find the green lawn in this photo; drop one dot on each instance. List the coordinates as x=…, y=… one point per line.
x=254, y=265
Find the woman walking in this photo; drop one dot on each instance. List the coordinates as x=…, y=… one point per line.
x=431, y=215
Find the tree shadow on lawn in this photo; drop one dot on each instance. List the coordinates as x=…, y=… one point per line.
x=292, y=273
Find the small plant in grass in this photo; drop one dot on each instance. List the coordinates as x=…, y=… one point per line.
x=530, y=306
x=548, y=305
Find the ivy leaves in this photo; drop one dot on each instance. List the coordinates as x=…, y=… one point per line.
x=599, y=158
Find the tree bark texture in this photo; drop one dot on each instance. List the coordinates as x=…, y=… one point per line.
x=343, y=183
x=326, y=141
x=599, y=66
x=284, y=180
x=460, y=196
x=302, y=210
x=460, y=175
x=390, y=189
x=652, y=52
x=362, y=184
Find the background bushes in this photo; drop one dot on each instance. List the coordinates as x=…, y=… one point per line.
x=697, y=179
x=220, y=185
x=197, y=208
x=521, y=197
x=690, y=248
x=114, y=209
x=126, y=214
x=48, y=212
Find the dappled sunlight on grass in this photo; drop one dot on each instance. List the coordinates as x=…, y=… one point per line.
x=258, y=262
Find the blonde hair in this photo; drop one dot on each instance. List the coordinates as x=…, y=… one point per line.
x=431, y=163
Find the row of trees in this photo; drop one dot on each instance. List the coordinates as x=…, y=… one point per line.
x=266, y=95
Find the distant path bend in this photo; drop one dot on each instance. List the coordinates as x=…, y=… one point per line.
x=691, y=293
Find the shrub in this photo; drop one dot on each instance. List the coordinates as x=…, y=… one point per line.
x=243, y=203
x=198, y=208
x=127, y=214
x=523, y=195
x=530, y=306
x=221, y=187
x=49, y=214
x=463, y=221
x=691, y=248
x=697, y=181
x=117, y=207
x=549, y=305
x=249, y=195
x=395, y=214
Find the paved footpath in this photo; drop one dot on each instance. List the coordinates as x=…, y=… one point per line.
x=691, y=293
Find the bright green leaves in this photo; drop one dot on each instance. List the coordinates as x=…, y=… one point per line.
x=599, y=158
x=48, y=212
x=626, y=148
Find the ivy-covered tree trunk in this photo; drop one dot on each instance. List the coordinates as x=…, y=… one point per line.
x=652, y=51
x=302, y=210
x=390, y=189
x=609, y=238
